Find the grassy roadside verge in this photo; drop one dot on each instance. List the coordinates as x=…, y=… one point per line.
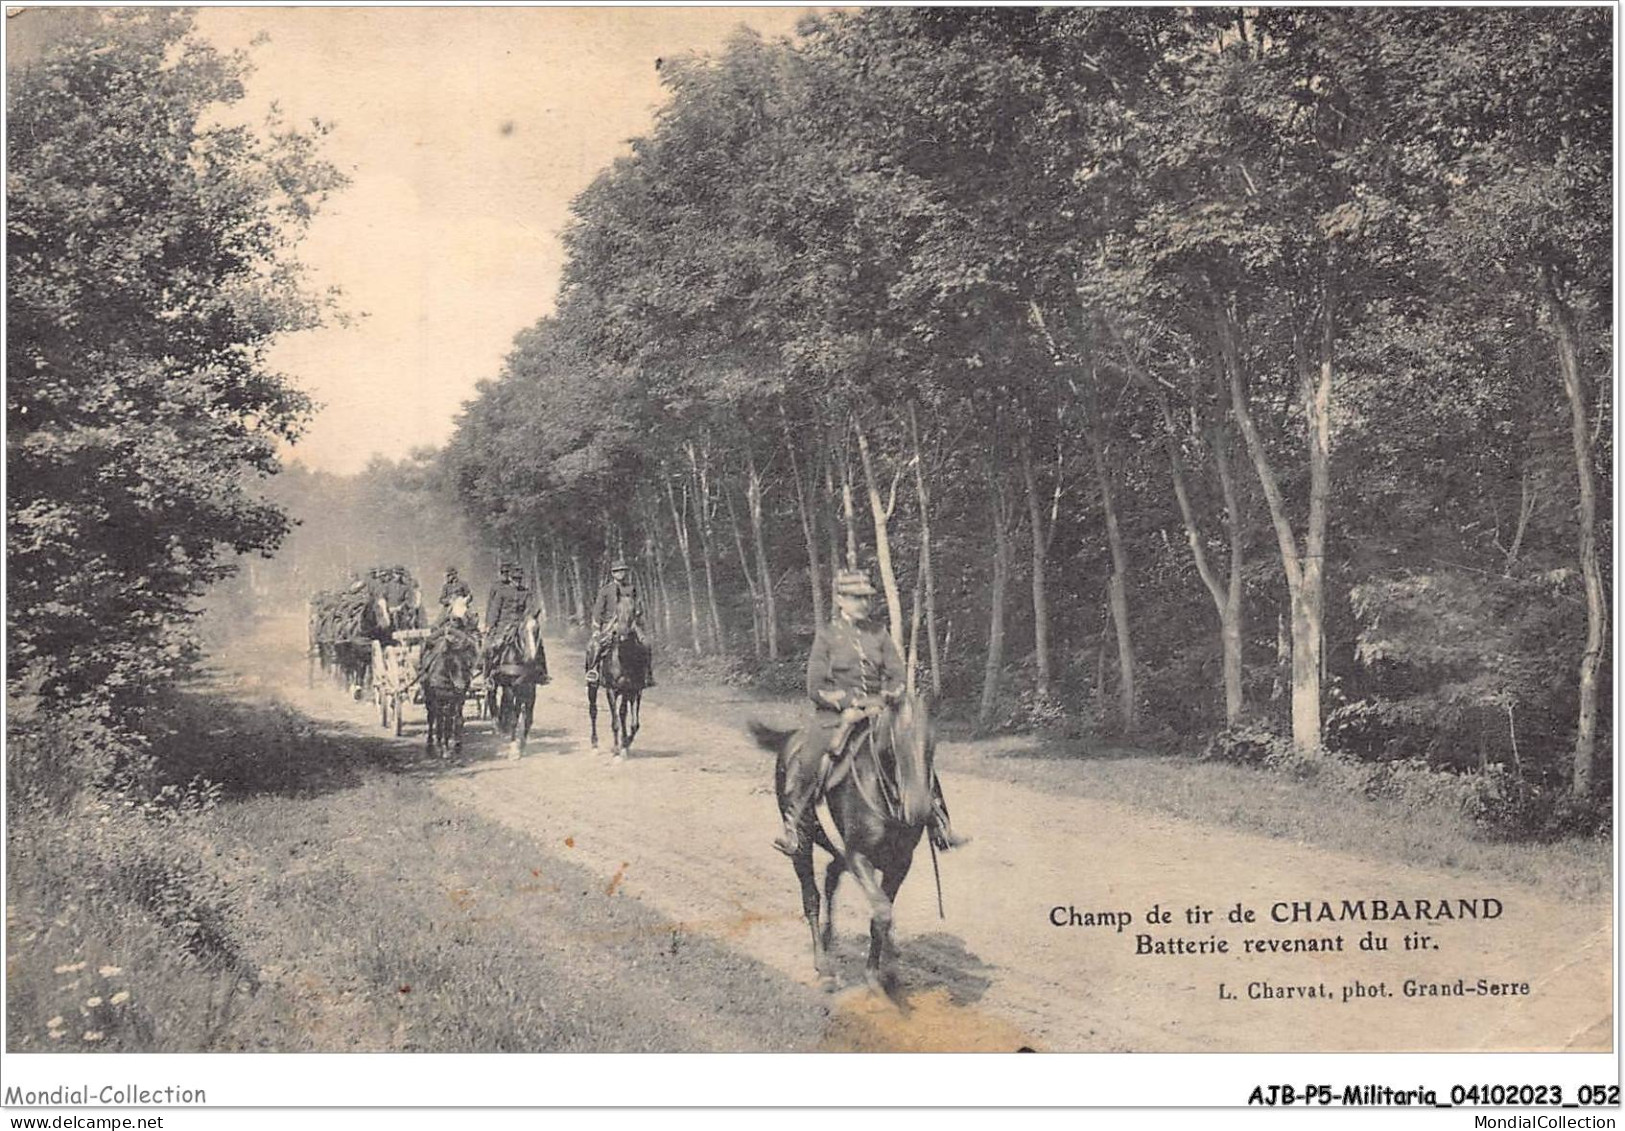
x=1239, y=798
x=324, y=899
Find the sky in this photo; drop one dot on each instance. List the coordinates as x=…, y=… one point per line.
x=465, y=133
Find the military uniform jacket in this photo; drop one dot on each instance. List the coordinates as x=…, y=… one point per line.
x=453, y=589
x=849, y=660
x=505, y=606
x=609, y=601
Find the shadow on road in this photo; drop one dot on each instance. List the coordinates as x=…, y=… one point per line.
x=249, y=747
x=650, y=753
x=935, y=963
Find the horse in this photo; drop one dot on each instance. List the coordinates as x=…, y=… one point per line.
x=622, y=671
x=445, y=672
x=879, y=800
x=518, y=664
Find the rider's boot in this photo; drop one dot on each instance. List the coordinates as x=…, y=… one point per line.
x=789, y=840
x=649, y=674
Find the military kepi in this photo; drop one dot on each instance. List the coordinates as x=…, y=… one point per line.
x=853, y=583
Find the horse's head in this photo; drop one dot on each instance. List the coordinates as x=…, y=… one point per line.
x=380, y=613
x=529, y=640
x=912, y=741
x=458, y=609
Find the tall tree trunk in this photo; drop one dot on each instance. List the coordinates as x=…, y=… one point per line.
x=1117, y=585
x=1226, y=597
x=649, y=582
x=680, y=525
x=764, y=571
x=1582, y=780
x=533, y=568
x=912, y=664
x=659, y=555
x=1040, y=548
x=559, y=615
x=835, y=559
x=999, y=512
x=1309, y=617
x=881, y=513
x=580, y=586
x=1230, y=613
x=756, y=633
x=1303, y=571
x=927, y=572
x=849, y=514
x=699, y=466
x=814, y=575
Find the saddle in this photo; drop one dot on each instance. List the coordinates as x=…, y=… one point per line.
x=902, y=771
x=503, y=644
x=860, y=737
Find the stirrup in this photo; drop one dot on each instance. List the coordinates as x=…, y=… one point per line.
x=592, y=675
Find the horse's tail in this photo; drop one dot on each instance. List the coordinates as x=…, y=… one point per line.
x=769, y=738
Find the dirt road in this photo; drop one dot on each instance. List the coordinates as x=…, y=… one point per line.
x=683, y=826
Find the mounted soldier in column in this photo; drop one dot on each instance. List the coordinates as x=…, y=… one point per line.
x=607, y=614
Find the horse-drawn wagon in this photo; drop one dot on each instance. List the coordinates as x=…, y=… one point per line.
x=396, y=683
x=355, y=636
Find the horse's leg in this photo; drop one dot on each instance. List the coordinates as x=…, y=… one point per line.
x=614, y=699
x=803, y=864
x=880, y=917
x=895, y=871
x=592, y=709
x=832, y=880
x=527, y=712
x=457, y=726
x=434, y=721
x=504, y=713
x=636, y=700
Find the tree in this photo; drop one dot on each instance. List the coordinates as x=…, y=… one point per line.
x=1526, y=154
x=149, y=269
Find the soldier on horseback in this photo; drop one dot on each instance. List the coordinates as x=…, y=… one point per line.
x=853, y=671
x=504, y=611
x=503, y=603
x=453, y=632
x=605, y=610
x=454, y=587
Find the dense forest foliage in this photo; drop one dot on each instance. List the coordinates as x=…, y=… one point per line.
x=1178, y=373
x=148, y=270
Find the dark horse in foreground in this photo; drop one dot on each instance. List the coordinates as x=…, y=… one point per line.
x=446, y=671
x=517, y=665
x=622, y=672
x=879, y=801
